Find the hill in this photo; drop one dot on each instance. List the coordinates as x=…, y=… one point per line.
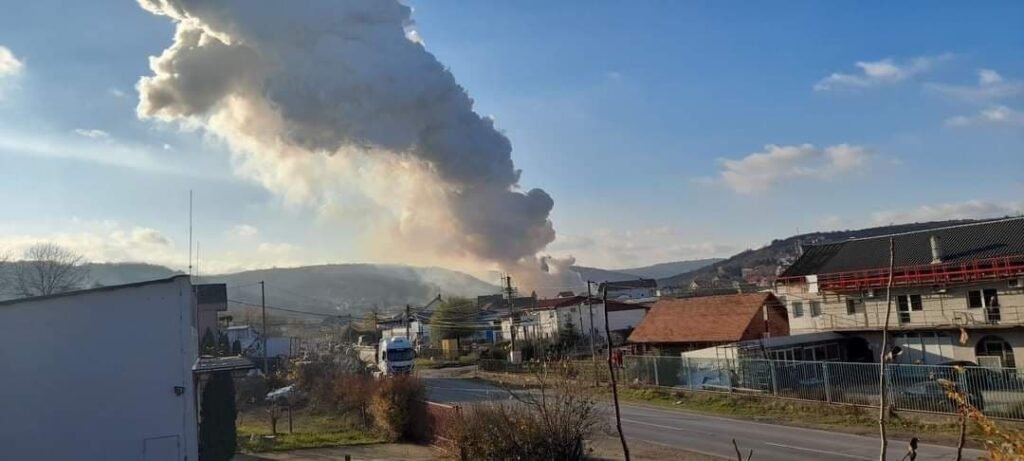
x=760, y=265
x=654, y=271
x=327, y=289
x=350, y=288
x=658, y=271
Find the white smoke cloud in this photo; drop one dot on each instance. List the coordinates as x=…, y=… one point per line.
x=91, y=133
x=876, y=73
x=991, y=87
x=9, y=63
x=996, y=115
x=339, y=106
x=971, y=209
x=761, y=171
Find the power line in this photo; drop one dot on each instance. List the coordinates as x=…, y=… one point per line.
x=296, y=311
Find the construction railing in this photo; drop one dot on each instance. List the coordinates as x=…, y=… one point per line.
x=997, y=392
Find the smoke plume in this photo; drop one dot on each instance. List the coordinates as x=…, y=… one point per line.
x=289, y=85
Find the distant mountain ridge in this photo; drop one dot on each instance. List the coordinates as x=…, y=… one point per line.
x=657, y=271
x=654, y=271
x=324, y=289
x=762, y=263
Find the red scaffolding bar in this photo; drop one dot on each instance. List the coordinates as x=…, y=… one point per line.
x=1005, y=267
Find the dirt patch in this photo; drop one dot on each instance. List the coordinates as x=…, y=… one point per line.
x=382, y=451
x=609, y=448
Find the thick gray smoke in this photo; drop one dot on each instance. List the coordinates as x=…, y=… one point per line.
x=283, y=80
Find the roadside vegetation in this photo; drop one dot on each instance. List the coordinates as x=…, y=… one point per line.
x=555, y=422
x=333, y=402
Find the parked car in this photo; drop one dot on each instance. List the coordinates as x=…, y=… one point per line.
x=932, y=395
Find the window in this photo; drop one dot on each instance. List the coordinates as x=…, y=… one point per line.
x=798, y=309
x=991, y=297
x=815, y=308
x=974, y=299
x=915, y=303
x=994, y=346
x=854, y=306
x=903, y=308
x=988, y=297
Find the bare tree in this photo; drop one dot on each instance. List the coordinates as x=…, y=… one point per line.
x=46, y=269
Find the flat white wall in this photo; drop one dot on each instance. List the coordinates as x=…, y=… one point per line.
x=92, y=376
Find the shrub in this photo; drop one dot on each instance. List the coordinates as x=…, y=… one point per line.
x=552, y=424
x=397, y=405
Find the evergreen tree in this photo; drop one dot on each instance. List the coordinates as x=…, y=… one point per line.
x=208, y=345
x=223, y=346
x=217, y=437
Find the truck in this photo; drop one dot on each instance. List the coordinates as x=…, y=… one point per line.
x=395, y=356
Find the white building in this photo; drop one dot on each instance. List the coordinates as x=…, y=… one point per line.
x=645, y=289
x=958, y=292
x=252, y=342
x=552, y=316
x=100, y=374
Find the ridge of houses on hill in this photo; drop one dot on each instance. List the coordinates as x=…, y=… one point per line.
x=958, y=296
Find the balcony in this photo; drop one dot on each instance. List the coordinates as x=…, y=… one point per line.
x=925, y=275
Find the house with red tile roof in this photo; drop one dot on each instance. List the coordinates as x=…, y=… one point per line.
x=673, y=326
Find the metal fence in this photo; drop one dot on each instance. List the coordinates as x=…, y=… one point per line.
x=998, y=392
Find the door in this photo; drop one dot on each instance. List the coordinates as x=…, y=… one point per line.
x=903, y=307
x=161, y=449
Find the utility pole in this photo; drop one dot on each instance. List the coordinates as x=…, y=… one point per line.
x=511, y=315
x=407, y=323
x=593, y=331
x=611, y=374
x=263, y=303
x=883, y=353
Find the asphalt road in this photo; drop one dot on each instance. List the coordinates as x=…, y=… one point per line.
x=713, y=435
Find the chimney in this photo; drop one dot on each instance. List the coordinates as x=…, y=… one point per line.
x=936, y=249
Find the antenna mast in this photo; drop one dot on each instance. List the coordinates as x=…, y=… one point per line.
x=190, y=233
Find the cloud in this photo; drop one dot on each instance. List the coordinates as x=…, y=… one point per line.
x=95, y=134
x=243, y=231
x=277, y=248
x=117, y=93
x=102, y=241
x=971, y=209
x=637, y=247
x=991, y=87
x=761, y=171
x=995, y=115
x=888, y=71
x=9, y=64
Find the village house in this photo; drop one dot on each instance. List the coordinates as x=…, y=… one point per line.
x=550, y=318
x=958, y=292
x=638, y=289
x=678, y=325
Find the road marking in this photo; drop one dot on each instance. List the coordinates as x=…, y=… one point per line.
x=812, y=450
x=660, y=426
x=780, y=445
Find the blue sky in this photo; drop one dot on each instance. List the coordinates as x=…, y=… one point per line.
x=649, y=123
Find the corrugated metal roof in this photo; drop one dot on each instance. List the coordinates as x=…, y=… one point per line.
x=209, y=364
x=962, y=243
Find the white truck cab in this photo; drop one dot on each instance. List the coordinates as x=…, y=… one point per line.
x=395, y=356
